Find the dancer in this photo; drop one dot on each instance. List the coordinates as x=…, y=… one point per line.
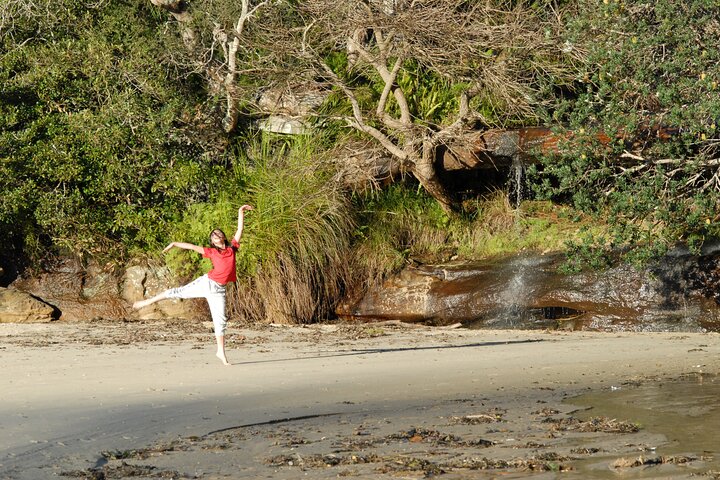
x=210, y=286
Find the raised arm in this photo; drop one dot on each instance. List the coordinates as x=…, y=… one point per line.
x=185, y=246
x=241, y=221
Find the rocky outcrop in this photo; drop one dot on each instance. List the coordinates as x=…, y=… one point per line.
x=21, y=307
x=361, y=166
x=80, y=292
x=677, y=294
x=498, y=149
x=288, y=110
x=140, y=281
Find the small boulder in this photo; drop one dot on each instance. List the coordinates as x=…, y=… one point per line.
x=17, y=306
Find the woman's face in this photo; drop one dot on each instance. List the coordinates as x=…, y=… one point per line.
x=217, y=238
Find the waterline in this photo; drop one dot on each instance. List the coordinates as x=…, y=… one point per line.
x=680, y=419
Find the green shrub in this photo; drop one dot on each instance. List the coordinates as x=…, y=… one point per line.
x=94, y=152
x=398, y=223
x=642, y=135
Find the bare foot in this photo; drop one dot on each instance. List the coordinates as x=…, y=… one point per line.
x=140, y=304
x=223, y=358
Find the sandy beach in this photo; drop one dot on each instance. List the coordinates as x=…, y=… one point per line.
x=148, y=399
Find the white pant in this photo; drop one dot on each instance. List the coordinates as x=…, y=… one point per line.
x=210, y=290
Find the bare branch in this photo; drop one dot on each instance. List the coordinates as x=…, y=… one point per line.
x=230, y=49
x=627, y=154
x=358, y=122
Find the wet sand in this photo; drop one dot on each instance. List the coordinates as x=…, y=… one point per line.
x=150, y=400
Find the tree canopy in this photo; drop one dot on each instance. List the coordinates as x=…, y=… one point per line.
x=101, y=135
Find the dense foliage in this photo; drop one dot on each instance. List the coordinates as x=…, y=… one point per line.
x=642, y=128
x=97, y=147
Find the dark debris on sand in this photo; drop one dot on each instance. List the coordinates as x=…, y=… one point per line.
x=356, y=445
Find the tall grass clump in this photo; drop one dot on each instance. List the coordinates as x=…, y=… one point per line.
x=490, y=227
x=401, y=225
x=293, y=263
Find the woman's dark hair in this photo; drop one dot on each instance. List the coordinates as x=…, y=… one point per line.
x=217, y=230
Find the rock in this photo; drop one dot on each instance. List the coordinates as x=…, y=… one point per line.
x=439, y=294
x=362, y=167
x=678, y=293
x=20, y=307
x=283, y=124
x=80, y=293
x=83, y=293
x=140, y=282
x=132, y=286
x=291, y=103
x=99, y=281
x=62, y=279
x=288, y=109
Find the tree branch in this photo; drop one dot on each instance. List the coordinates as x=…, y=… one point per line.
x=382, y=103
x=357, y=121
x=230, y=82
x=389, y=79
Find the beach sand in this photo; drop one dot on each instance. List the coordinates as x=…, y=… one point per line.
x=148, y=399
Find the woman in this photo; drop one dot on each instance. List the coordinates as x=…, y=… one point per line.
x=210, y=286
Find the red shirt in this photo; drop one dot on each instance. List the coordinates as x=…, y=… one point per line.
x=223, y=261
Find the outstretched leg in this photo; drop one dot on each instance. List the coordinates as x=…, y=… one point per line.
x=144, y=303
x=198, y=288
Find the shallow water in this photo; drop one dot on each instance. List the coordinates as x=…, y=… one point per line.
x=677, y=418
